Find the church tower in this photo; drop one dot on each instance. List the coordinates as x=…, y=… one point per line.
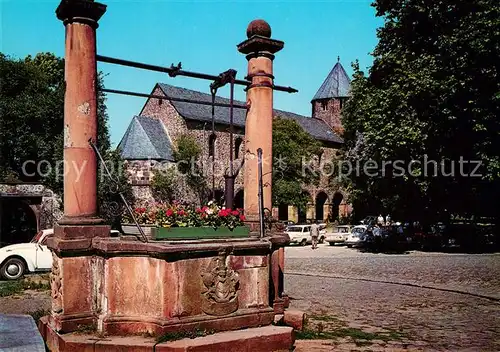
x=330, y=97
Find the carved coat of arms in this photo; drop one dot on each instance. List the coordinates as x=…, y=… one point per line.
x=220, y=296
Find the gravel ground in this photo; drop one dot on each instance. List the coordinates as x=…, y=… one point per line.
x=353, y=288
x=26, y=303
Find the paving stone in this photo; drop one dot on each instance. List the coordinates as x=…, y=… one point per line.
x=19, y=333
x=430, y=319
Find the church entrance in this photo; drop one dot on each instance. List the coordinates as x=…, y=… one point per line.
x=321, y=200
x=337, y=199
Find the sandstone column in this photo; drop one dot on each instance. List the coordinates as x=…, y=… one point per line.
x=73, y=274
x=80, y=122
x=80, y=109
x=260, y=50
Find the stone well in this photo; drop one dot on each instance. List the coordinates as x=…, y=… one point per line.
x=115, y=294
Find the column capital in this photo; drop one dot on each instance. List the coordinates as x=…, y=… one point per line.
x=82, y=11
x=259, y=42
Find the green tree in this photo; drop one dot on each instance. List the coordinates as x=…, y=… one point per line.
x=31, y=123
x=187, y=155
x=163, y=184
x=433, y=92
x=110, y=189
x=289, y=154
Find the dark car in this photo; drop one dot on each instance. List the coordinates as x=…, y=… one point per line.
x=369, y=220
x=384, y=239
x=469, y=238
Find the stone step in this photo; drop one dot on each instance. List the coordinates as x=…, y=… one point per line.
x=263, y=339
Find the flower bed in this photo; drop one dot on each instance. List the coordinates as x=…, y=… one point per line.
x=177, y=221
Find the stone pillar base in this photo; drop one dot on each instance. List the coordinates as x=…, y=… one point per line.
x=263, y=339
x=76, y=237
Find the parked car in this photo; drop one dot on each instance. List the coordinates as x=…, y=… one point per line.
x=300, y=234
x=384, y=239
x=35, y=256
x=356, y=236
x=339, y=234
x=322, y=233
x=369, y=220
x=17, y=259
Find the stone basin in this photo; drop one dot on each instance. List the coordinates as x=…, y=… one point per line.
x=121, y=286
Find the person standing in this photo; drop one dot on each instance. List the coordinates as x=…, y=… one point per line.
x=314, y=231
x=380, y=220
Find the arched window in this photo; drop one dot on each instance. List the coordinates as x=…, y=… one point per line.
x=324, y=105
x=237, y=146
x=211, y=145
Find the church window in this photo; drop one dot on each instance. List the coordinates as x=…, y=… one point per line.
x=211, y=145
x=237, y=146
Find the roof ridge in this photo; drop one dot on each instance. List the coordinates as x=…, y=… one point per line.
x=202, y=113
x=221, y=97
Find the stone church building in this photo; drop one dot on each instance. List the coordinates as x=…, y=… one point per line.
x=153, y=134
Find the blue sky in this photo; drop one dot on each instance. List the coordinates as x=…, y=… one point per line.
x=203, y=36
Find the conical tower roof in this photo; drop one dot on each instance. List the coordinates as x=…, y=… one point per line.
x=336, y=85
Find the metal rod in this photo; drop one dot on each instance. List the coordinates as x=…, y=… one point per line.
x=131, y=213
x=261, y=195
x=229, y=191
x=212, y=140
x=231, y=97
x=134, y=94
x=176, y=71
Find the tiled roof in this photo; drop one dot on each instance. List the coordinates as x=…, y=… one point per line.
x=145, y=138
x=336, y=85
x=315, y=127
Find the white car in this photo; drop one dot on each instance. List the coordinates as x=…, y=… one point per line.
x=20, y=258
x=356, y=235
x=17, y=259
x=301, y=234
x=338, y=235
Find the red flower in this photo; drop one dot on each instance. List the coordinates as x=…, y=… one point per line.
x=181, y=212
x=198, y=210
x=235, y=213
x=169, y=212
x=224, y=212
x=242, y=217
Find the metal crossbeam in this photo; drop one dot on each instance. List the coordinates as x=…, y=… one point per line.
x=191, y=101
x=177, y=71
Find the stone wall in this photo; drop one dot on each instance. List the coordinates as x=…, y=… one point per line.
x=329, y=110
x=142, y=171
x=174, y=124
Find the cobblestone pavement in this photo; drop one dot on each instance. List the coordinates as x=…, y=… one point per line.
x=418, y=318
